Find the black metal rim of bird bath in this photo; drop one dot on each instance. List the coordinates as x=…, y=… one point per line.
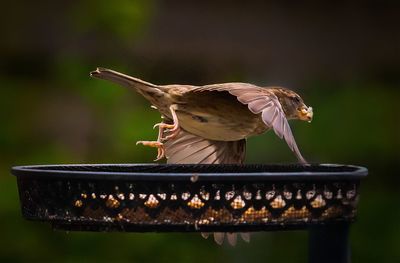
x=188, y=198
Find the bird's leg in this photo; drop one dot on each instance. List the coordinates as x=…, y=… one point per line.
x=173, y=128
x=157, y=144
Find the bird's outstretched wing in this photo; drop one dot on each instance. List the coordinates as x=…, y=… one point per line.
x=260, y=101
x=191, y=149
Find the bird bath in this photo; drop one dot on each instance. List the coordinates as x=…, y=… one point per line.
x=197, y=198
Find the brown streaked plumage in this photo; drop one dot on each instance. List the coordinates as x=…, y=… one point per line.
x=209, y=124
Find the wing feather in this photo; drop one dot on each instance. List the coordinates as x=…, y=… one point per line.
x=257, y=106
x=188, y=148
x=199, y=150
x=261, y=100
x=182, y=144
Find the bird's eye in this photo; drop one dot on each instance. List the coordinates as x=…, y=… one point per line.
x=296, y=99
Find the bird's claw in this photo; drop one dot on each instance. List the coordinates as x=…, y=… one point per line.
x=160, y=154
x=162, y=125
x=172, y=133
x=155, y=144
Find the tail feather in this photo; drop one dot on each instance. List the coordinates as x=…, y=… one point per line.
x=145, y=88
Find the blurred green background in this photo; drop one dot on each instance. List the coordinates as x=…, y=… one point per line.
x=342, y=57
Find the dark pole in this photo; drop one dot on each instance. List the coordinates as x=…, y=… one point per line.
x=329, y=243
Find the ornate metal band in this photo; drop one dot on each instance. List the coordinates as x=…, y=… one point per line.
x=186, y=205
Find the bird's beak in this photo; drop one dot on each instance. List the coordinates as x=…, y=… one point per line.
x=305, y=113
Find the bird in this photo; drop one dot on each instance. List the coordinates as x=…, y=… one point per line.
x=209, y=124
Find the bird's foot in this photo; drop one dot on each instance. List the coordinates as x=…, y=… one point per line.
x=155, y=144
x=171, y=129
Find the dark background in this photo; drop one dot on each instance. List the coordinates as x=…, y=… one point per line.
x=342, y=57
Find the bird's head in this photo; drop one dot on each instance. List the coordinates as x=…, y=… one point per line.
x=293, y=105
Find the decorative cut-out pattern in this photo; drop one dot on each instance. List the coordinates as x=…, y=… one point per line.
x=196, y=206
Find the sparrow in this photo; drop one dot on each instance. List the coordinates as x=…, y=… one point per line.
x=209, y=124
